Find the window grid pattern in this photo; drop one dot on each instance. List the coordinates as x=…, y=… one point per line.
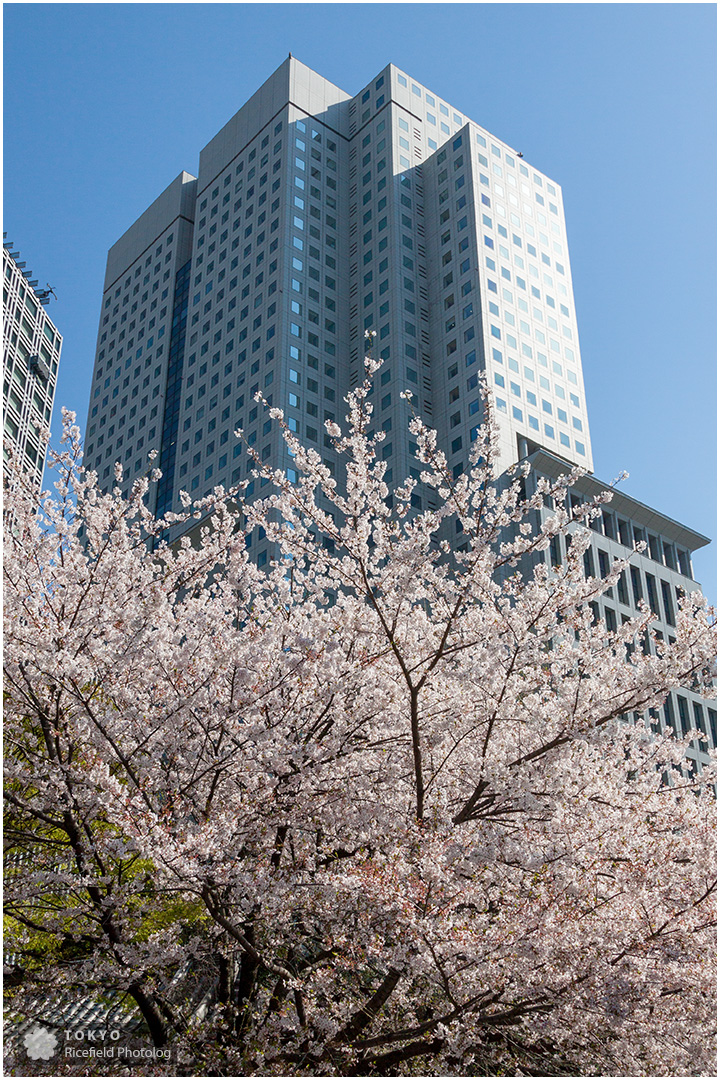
x=662, y=570
x=31, y=354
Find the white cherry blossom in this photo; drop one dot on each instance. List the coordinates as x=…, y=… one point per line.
x=375, y=810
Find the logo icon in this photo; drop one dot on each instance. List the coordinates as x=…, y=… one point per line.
x=40, y=1043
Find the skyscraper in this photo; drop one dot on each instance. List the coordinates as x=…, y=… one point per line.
x=31, y=353
x=316, y=217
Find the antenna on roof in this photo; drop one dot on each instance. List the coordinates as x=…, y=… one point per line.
x=44, y=295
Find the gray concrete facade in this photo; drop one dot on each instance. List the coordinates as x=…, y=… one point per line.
x=133, y=372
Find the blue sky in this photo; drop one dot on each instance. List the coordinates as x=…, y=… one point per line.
x=106, y=103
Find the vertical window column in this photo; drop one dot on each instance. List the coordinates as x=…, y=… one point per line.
x=173, y=390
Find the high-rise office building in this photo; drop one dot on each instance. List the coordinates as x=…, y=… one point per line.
x=316, y=217
x=31, y=353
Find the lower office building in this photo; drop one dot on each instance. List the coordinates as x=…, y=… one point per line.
x=657, y=576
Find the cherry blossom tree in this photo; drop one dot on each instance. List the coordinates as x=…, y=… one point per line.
x=380, y=808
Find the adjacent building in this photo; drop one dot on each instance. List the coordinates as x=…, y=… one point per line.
x=31, y=354
x=657, y=576
x=315, y=218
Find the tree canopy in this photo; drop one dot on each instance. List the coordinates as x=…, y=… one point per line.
x=379, y=808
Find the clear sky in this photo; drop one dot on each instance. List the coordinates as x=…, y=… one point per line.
x=106, y=103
